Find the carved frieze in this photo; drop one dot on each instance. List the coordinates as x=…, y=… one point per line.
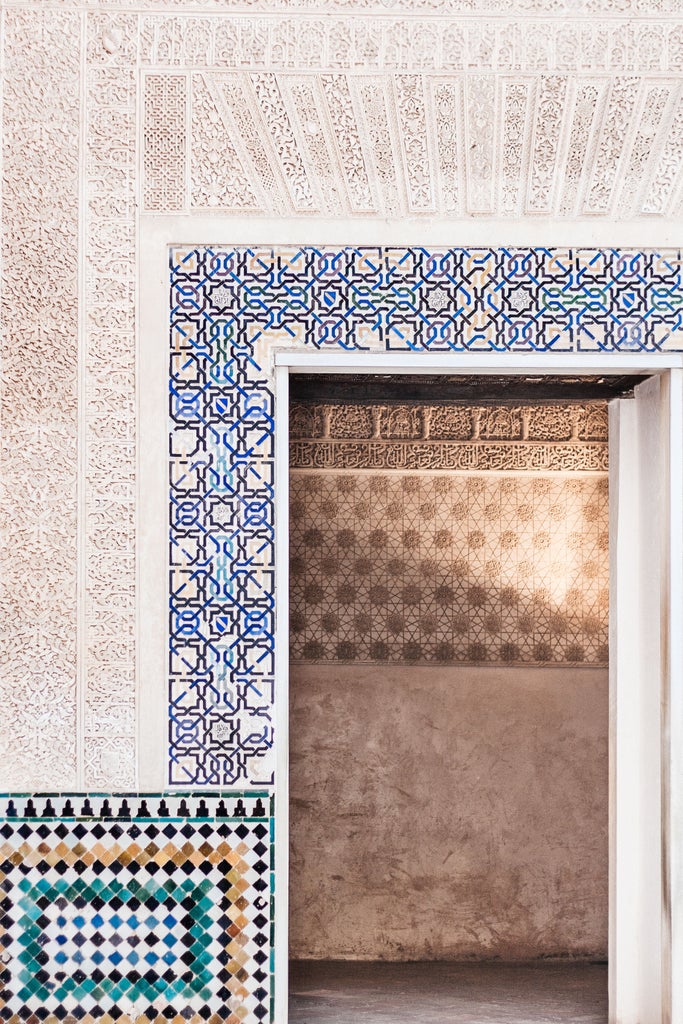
x=552, y=438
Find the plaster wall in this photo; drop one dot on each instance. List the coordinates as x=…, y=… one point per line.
x=448, y=812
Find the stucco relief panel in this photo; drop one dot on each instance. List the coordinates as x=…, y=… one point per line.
x=337, y=142
x=108, y=396
x=39, y=397
x=227, y=122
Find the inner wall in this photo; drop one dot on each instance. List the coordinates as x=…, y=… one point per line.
x=449, y=685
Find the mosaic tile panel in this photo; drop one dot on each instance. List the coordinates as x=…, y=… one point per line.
x=230, y=307
x=136, y=908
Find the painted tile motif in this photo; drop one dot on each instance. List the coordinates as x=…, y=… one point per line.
x=229, y=308
x=136, y=908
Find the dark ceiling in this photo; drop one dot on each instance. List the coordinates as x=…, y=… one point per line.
x=441, y=389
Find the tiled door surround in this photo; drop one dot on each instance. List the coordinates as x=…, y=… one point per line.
x=230, y=305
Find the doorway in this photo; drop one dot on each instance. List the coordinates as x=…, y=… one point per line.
x=410, y=669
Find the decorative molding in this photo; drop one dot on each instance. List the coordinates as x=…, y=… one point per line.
x=428, y=43
x=135, y=806
x=457, y=422
x=479, y=456
x=615, y=10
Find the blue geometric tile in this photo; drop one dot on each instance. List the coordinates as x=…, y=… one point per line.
x=229, y=308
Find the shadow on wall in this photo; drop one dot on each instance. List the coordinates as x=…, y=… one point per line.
x=427, y=568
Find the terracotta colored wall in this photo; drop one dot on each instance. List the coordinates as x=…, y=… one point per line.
x=448, y=812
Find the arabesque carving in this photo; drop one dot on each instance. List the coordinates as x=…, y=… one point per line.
x=272, y=107
x=38, y=460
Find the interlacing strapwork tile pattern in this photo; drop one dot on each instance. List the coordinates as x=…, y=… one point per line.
x=144, y=909
x=230, y=308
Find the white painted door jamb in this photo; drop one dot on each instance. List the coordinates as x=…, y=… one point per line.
x=672, y=706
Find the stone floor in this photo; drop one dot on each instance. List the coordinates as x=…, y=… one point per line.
x=324, y=992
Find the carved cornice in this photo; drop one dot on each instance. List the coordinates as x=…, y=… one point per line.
x=472, y=9
x=571, y=438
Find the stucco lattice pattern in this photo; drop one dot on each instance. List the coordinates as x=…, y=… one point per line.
x=143, y=909
x=432, y=568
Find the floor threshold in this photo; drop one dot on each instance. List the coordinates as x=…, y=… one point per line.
x=359, y=992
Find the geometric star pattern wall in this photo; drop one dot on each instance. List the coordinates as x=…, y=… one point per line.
x=141, y=908
x=506, y=561
x=439, y=568
x=230, y=308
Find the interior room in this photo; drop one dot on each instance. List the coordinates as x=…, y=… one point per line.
x=449, y=613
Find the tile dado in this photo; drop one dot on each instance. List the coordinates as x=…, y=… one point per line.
x=136, y=908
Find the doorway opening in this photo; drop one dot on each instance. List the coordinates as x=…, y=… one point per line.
x=449, y=696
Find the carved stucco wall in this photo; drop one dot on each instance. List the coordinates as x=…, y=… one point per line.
x=496, y=109
x=446, y=535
